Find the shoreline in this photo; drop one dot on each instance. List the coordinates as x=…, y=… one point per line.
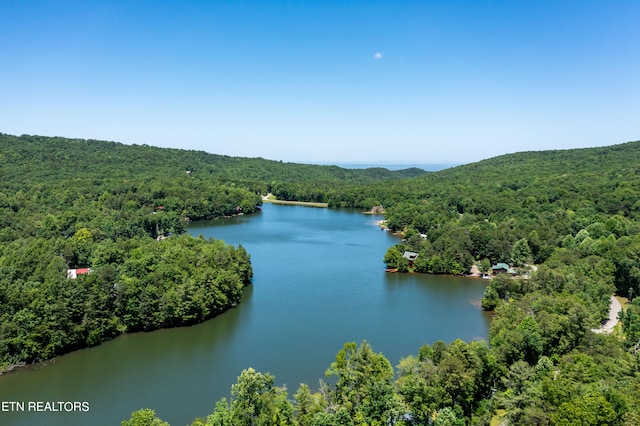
x=12, y=367
x=270, y=198
x=296, y=203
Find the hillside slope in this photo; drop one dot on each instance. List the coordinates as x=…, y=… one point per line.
x=55, y=158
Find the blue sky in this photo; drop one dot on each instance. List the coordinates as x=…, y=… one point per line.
x=325, y=81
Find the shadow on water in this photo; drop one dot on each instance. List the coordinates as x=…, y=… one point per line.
x=154, y=369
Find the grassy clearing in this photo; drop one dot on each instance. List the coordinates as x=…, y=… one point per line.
x=296, y=203
x=624, y=302
x=499, y=419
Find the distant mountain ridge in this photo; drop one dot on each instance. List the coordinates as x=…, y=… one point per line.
x=429, y=167
x=573, y=159
x=555, y=168
x=19, y=155
x=567, y=175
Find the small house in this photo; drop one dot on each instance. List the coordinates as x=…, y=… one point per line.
x=410, y=256
x=72, y=274
x=502, y=268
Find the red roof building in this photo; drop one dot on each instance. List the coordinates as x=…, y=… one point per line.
x=72, y=274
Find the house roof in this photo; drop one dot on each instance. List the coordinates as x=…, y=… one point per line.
x=73, y=273
x=501, y=266
x=411, y=255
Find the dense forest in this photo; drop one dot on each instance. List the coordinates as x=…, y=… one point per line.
x=568, y=224
x=29, y=160
x=119, y=212
x=443, y=384
x=567, y=221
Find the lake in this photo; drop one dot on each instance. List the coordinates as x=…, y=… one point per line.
x=319, y=282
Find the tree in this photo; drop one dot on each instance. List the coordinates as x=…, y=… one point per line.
x=590, y=409
x=392, y=257
x=144, y=417
x=257, y=402
x=484, y=266
x=416, y=388
x=521, y=253
x=364, y=384
x=447, y=417
x=490, y=298
x=403, y=264
x=306, y=405
x=631, y=323
x=221, y=415
x=531, y=346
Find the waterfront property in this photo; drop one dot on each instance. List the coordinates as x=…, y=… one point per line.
x=318, y=282
x=503, y=268
x=410, y=256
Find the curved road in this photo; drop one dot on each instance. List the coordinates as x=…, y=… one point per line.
x=613, y=317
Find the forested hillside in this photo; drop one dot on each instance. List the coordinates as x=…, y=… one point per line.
x=119, y=211
x=61, y=158
x=454, y=384
x=553, y=207
x=568, y=223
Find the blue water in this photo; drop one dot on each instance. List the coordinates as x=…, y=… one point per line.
x=319, y=282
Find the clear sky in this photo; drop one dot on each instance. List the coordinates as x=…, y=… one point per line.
x=325, y=81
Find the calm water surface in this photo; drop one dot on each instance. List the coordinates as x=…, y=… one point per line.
x=319, y=282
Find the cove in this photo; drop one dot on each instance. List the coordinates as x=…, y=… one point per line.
x=319, y=282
